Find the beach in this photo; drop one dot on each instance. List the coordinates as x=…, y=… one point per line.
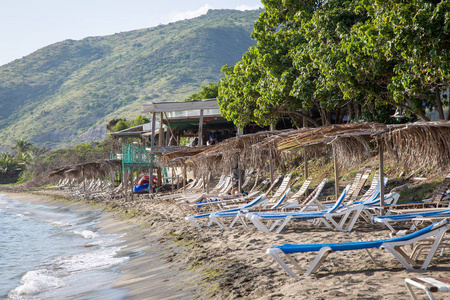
x=213, y=263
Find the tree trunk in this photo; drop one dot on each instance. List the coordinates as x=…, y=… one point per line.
x=350, y=112
x=358, y=111
x=439, y=104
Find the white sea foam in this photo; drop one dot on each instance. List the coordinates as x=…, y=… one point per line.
x=87, y=234
x=35, y=282
x=60, y=224
x=92, y=260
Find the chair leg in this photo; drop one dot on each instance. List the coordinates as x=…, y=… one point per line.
x=190, y=219
x=288, y=218
x=258, y=224
x=274, y=252
x=434, y=247
x=320, y=258
x=401, y=256
x=215, y=220
x=275, y=223
x=410, y=290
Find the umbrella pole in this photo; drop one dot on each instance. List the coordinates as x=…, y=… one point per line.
x=336, y=173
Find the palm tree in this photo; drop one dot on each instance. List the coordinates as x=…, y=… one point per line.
x=21, y=146
x=7, y=162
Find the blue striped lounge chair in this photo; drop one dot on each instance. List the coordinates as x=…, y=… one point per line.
x=392, y=245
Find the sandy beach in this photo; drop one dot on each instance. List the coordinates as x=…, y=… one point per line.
x=213, y=263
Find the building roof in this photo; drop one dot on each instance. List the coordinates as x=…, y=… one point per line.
x=172, y=106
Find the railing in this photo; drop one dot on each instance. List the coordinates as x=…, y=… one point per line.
x=132, y=155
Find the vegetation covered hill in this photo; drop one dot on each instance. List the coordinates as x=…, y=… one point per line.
x=65, y=93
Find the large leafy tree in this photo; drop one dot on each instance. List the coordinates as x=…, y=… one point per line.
x=260, y=85
x=366, y=57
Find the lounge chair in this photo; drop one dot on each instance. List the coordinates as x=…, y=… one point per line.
x=357, y=185
x=440, y=198
x=429, y=285
x=412, y=217
x=236, y=213
x=254, y=202
x=392, y=245
x=257, y=218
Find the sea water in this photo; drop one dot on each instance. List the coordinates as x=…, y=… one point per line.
x=54, y=252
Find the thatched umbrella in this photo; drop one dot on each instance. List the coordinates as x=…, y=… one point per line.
x=420, y=144
x=429, y=141
x=100, y=169
x=238, y=152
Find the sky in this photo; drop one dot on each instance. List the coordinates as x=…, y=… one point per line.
x=28, y=25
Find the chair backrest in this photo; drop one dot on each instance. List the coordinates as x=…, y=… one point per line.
x=441, y=191
x=314, y=194
x=375, y=197
x=220, y=183
x=340, y=199
x=357, y=185
x=302, y=189
x=255, y=201
x=225, y=183
x=273, y=184
x=372, y=188
x=355, y=182
x=420, y=232
x=283, y=186
x=276, y=205
x=246, y=181
x=191, y=184
x=227, y=187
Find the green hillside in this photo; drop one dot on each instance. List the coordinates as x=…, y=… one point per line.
x=65, y=93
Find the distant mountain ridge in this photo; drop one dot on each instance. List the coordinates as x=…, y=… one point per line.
x=65, y=93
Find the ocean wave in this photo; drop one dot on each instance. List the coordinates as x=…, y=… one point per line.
x=35, y=282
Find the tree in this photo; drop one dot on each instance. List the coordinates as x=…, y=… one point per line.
x=7, y=162
x=21, y=146
x=365, y=57
x=209, y=91
x=261, y=84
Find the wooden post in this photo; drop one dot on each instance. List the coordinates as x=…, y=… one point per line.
x=84, y=181
x=161, y=131
x=160, y=176
x=336, y=173
x=184, y=175
x=173, y=178
x=380, y=147
x=152, y=148
x=305, y=160
x=200, y=129
x=132, y=184
x=306, y=175
x=125, y=183
x=271, y=168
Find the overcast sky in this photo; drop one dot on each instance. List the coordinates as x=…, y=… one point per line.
x=28, y=25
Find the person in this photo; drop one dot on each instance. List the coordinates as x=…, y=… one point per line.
x=194, y=143
x=211, y=141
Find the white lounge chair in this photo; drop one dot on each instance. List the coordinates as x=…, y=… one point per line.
x=193, y=219
x=429, y=285
x=257, y=218
x=392, y=245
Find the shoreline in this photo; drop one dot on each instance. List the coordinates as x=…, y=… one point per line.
x=233, y=264
x=143, y=275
